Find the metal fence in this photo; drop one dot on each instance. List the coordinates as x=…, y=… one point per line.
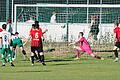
x=6, y=6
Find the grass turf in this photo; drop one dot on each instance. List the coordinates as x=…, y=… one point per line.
x=69, y=69
x=62, y=66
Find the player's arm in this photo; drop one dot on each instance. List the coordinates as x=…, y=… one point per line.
x=91, y=24
x=77, y=41
x=42, y=38
x=45, y=31
x=72, y=43
x=22, y=37
x=27, y=40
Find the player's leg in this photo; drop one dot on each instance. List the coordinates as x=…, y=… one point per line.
x=77, y=52
x=13, y=53
x=23, y=51
x=115, y=53
x=42, y=58
x=35, y=55
x=41, y=54
x=20, y=45
x=2, y=56
x=12, y=50
x=32, y=54
x=95, y=56
x=9, y=56
x=89, y=51
x=91, y=36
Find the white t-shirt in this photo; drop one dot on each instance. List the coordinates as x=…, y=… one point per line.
x=6, y=36
x=9, y=28
x=53, y=19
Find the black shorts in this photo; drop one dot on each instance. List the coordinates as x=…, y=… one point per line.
x=117, y=44
x=38, y=49
x=94, y=30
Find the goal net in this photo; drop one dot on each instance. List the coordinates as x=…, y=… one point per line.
x=70, y=20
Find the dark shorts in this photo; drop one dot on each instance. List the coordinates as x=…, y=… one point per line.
x=117, y=44
x=38, y=49
x=94, y=30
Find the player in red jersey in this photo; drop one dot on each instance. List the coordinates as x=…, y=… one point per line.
x=32, y=29
x=36, y=44
x=117, y=44
x=1, y=30
x=37, y=23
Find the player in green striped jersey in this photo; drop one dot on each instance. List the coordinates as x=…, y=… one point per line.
x=5, y=39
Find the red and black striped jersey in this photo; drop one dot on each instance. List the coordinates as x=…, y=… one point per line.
x=36, y=38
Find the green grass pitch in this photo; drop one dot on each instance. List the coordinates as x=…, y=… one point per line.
x=84, y=69
x=62, y=66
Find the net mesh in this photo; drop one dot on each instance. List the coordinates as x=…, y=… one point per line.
x=79, y=20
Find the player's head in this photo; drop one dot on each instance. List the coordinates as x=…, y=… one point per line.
x=36, y=26
x=33, y=26
x=54, y=13
x=9, y=21
x=80, y=34
x=16, y=33
x=92, y=17
x=36, y=22
x=4, y=26
x=31, y=18
x=116, y=24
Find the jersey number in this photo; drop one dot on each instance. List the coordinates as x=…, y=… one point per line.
x=5, y=38
x=36, y=35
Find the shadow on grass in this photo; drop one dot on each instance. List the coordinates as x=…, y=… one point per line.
x=35, y=71
x=60, y=64
x=58, y=60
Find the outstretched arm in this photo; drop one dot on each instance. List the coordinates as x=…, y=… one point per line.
x=27, y=40
x=77, y=41
x=45, y=31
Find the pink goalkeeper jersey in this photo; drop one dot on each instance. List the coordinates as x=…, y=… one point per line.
x=85, y=47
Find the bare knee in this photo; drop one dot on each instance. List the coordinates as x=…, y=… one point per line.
x=32, y=54
x=41, y=53
x=115, y=48
x=92, y=55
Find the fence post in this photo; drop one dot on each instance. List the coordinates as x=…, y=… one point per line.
x=7, y=10
x=67, y=23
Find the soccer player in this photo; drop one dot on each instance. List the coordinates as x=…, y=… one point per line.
x=84, y=47
x=53, y=18
x=9, y=27
x=16, y=41
x=5, y=39
x=94, y=28
x=117, y=44
x=36, y=44
x=32, y=29
x=1, y=30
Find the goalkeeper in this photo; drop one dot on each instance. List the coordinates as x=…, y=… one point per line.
x=16, y=41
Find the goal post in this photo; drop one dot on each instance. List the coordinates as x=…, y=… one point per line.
x=77, y=13
x=70, y=20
